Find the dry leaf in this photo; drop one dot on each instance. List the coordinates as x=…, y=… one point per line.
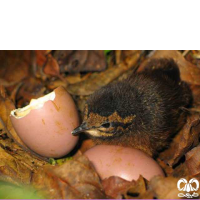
x=116, y=187
x=98, y=80
x=41, y=57
x=189, y=72
x=121, y=55
x=187, y=138
x=166, y=168
x=164, y=187
x=6, y=106
x=180, y=171
x=139, y=190
x=14, y=66
x=193, y=161
x=14, y=168
x=196, y=94
x=24, y=156
x=51, y=67
x=167, y=188
x=31, y=88
x=75, y=179
x=44, y=65
x=80, y=61
x=127, y=53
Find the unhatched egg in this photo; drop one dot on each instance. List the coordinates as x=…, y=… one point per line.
x=45, y=125
x=127, y=163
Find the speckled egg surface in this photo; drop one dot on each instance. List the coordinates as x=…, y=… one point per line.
x=127, y=163
x=45, y=125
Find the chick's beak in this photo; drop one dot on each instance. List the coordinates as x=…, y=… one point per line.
x=83, y=127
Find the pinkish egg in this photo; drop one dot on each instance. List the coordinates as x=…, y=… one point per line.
x=45, y=125
x=127, y=163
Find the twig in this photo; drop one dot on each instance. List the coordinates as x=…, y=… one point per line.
x=185, y=53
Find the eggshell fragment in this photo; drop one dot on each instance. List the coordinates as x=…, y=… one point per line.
x=45, y=125
x=127, y=163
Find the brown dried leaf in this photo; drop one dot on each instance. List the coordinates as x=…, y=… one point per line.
x=51, y=67
x=3, y=92
x=41, y=57
x=44, y=65
x=127, y=53
x=31, y=88
x=165, y=167
x=73, y=180
x=5, y=123
x=193, y=161
x=164, y=187
x=6, y=106
x=98, y=80
x=187, y=138
x=146, y=195
x=118, y=55
x=180, y=171
x=139, y=190
x=121, y=55
x=196, y=94
x=189, y=72
x=81, y=61
x=116, y=187
x=14, y=168
x=74, y=78
x=25, y=156
x=14, y=66
x=56, y=83
x=7, y=83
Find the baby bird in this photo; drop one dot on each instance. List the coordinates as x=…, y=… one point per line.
x=142, y=111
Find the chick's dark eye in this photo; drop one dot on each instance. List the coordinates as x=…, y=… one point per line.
x=106, y=125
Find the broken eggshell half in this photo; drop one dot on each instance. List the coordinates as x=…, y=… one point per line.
x=45, y=125
x=125, y=162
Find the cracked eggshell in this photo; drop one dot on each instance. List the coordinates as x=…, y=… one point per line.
x=45, y=125
x=127, y=163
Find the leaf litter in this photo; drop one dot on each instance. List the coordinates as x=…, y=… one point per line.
x=31, y=74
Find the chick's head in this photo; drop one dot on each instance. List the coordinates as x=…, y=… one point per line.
x=107, y=113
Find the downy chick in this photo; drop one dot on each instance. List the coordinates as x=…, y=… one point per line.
x=143, y=111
